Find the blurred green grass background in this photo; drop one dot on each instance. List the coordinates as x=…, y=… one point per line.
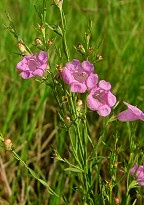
x=28, y=110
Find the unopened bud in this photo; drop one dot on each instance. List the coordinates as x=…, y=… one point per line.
x=109, y=184
x=60, y=68
x=99, y=57
x=67, y=121
x=80, y=102
x=38, y=42
x=115, y=164
x=117, y=200
x=67, y=118
x=64, y=99
x=80, y=48
x=80, y=105
x=8, y=144
x=49, y=42
x=58, y=3
x=119, y=149
x=22, y=48
x=91, y=50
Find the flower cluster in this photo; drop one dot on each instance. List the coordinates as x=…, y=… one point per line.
x=139, y=173
x=80, y=77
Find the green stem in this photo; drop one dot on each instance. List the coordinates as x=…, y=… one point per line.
x=53, y=87
x=82, y=138
x=64, y=36
x=110, y=196
x=76, y=121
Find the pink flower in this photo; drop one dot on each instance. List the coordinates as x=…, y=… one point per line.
x=131, y=114
x=79, y=76
x=33, y=65
x=101, y=99
x=133, y=169
x=139, y=173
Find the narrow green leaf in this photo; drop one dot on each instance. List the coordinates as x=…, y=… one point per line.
x=73, y=169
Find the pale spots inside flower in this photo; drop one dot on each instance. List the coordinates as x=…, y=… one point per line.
x=80, y=76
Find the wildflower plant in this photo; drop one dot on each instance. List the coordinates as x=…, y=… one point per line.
x=79, y=92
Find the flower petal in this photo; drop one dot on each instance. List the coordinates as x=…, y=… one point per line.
x=104, y=85
x=141, y=182
x=142, y=116
x=38, y=72
x=75, y=62
x=87, y=66
x=26, y=74
x=43, y=57
x=22, y=65
x=92, y=103
x=78, y=87
x=133, y=169
x=134, y=109
x=140, y=171
x=104, y=110
x=92, y=80
x=111, y=99
x=67, y=75
x=43, y=67
x=140, y=175
x=94, y=90
x=127, y=115
x=71, y=66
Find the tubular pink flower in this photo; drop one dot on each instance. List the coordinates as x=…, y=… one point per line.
x=131, y=114
x=33, y=65
x=139, y=173
x=79, y=76
x=133, y=169
x=101, y=99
